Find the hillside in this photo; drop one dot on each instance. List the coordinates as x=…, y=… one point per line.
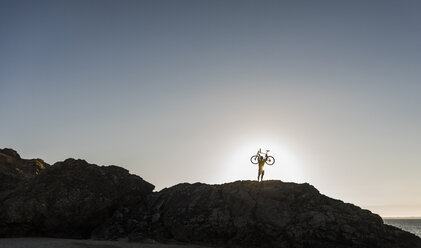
x=75, y=199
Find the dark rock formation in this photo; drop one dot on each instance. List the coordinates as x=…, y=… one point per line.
x=14, y=170
x=252, y=214
x=68, y=199
x=75, y=199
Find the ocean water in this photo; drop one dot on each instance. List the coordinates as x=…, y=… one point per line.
x=410, y=225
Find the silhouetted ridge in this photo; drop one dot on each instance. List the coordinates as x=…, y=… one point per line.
x=253, y=214
x=14, y=170
x=76, y=199
x=68, y=199
x=10, y=152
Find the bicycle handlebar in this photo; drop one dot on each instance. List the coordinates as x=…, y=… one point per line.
x=260, y=151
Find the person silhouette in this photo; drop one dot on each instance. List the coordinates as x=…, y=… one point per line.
x=261, y=162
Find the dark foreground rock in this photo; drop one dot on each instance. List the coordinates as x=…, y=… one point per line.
x=252, y=214
x=14, y=169
x=75, y=199
x=68, y=199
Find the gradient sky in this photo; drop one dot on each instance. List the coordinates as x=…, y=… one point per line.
x=187, y=91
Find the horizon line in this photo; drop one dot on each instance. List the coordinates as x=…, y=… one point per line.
x=394, y=217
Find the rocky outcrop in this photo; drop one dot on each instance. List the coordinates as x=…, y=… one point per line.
x=14, y=169
x=75, y=199
x=253, y=214
x=68, y=199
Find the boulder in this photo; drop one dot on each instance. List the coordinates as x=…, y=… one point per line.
x=75, y=199
x=253, y=214
x=14, y=169
x=68, y=199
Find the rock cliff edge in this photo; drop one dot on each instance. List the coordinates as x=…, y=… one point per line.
x=75, y=199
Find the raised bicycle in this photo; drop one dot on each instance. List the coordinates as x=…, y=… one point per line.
x=269, y=159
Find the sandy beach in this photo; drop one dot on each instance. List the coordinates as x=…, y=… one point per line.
x=77, y=243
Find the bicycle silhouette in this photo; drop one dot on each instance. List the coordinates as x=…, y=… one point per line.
x=255, y=158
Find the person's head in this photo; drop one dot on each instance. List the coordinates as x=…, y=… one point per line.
x=261, y=157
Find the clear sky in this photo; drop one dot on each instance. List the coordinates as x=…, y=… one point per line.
x=187, y=91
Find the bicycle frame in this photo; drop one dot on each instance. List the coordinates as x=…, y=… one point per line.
x=260, y=152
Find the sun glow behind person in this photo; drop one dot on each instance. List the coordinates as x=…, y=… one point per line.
x=287, y=165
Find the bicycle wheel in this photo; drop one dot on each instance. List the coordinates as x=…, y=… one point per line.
x=254, y=159
x=270, y=160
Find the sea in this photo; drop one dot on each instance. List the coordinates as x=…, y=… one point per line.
x=409, y=225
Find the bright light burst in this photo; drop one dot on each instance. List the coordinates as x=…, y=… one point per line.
x=237, y=165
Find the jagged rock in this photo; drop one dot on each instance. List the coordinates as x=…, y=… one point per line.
x=10, y=152
x=75, y=199
x=68, y=199
x=14, y=170
x=253, y=214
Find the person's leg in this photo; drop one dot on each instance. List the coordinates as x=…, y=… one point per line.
x=258, y=175
x=263, y=173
